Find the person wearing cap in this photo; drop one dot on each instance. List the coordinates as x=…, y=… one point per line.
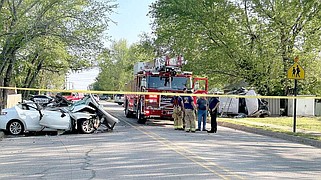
x=189, y=115
x=177, y=112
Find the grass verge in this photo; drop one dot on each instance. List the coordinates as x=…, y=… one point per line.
x=307, y=127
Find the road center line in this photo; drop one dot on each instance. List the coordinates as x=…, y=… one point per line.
x=180, y=150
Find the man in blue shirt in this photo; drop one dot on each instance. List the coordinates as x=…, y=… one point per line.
x=202, y=106
x=189, y=115
x=213, y=106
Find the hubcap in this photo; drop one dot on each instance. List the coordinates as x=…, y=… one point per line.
x=15, y=128
x=87, y=127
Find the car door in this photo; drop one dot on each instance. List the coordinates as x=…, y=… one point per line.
x=30, y=116
x=56, y=120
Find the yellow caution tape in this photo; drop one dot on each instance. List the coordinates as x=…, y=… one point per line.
x=162, y=93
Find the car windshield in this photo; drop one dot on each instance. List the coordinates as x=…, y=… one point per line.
x=177, y=83
x=86, y=100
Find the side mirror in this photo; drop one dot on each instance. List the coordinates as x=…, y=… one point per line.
x=196, y=86
x=143, y=82
x=63, y=114
x=185, y=62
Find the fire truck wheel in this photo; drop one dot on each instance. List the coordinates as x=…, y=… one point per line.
x=142, y=121
x=140, y=118
x=128, y=113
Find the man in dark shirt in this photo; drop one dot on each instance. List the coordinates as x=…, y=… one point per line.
x=189, y=115
x=213, y=106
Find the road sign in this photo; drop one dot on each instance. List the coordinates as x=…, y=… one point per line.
x=296, y=72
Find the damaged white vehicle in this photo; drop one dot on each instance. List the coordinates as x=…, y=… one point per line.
x=84, y=116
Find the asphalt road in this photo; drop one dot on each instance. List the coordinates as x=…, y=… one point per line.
x=156, y=151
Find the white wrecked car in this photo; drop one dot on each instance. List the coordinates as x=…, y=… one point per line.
x=84, y=116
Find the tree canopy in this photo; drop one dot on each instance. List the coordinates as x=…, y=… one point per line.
x=228, y=41
x=251, y=40
x=117, y=63
x=41, y=40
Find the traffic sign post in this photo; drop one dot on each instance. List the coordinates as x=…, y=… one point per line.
x=295, y=72
x=294, y=112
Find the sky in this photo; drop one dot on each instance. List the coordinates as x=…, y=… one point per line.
x=132, y=20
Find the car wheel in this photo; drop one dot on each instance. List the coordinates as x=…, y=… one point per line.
x=15, y=127
x=86, y=126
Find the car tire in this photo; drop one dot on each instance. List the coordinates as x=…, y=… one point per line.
x=86, y=126
x=15, y=127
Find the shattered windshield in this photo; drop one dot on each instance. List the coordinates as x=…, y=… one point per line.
x=177, y=83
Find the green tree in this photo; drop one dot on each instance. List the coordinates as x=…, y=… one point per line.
x=113, y=63
x=116, y=64
x=31, y=29
x=45, y=59
x=253, y=40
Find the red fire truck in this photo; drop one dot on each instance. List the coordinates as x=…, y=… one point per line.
x=162, y=75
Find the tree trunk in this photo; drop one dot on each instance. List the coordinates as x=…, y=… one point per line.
x=7, y=79
x=35, y=74
x=28, y=78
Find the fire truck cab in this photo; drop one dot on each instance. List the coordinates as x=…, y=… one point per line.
x=164, y=75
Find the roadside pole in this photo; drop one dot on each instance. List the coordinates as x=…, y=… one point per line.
x=294, y=111
x=295, y=72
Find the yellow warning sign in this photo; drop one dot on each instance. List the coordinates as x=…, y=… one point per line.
x=296, y=72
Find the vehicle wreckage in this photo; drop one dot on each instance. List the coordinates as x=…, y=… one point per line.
x=242, y=106
x=83, y=116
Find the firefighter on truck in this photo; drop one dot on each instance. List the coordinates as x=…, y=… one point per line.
x=163, y=75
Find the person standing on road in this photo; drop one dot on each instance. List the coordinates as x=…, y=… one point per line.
x=177, y=112
x=202, y=106
x=213, y=106
x=189, y=115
